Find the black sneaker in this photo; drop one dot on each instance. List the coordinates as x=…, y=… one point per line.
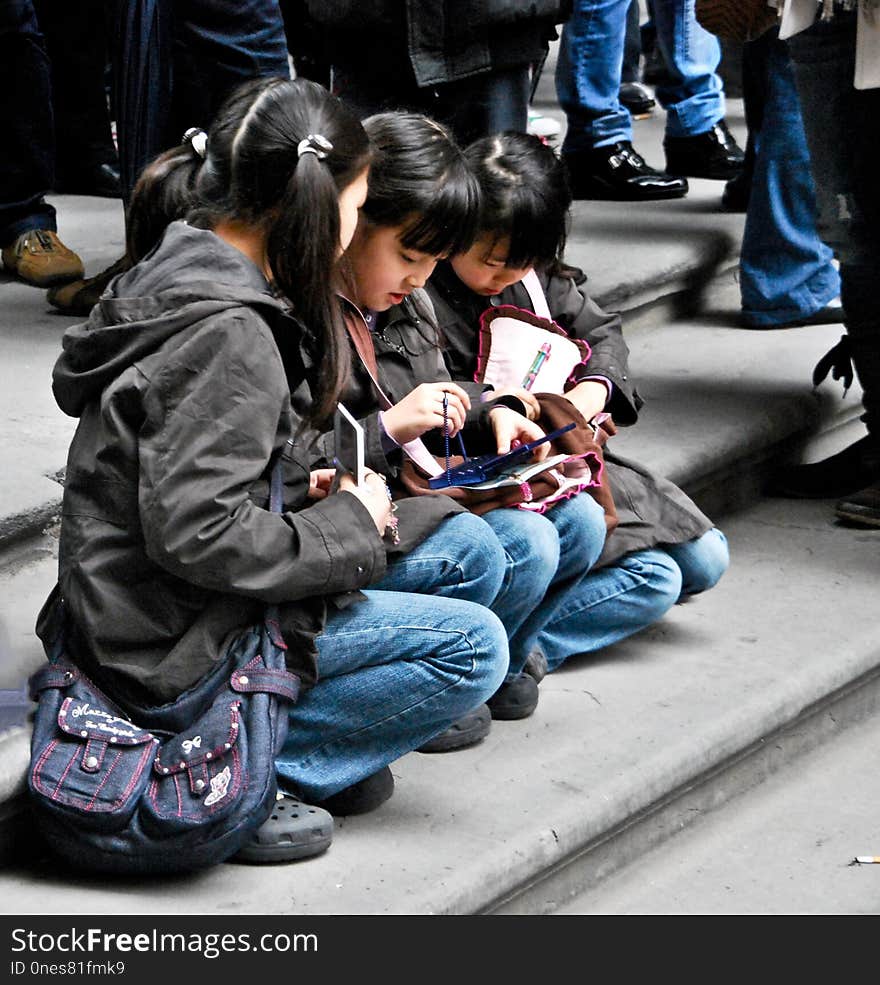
x=619, y=173
x=361, y=797
x=843, y=474
x=514, y=699
x=713, y=154
x=467, y=731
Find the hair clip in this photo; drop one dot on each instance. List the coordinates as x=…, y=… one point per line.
x=315, y=144
x=197, y=139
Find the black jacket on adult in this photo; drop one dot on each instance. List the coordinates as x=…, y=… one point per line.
x=181, y=381
x=446, y=40
x=651, y=510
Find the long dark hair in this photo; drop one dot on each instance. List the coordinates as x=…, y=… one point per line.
x=420, y=181
x=524, y=196
x=253, y=171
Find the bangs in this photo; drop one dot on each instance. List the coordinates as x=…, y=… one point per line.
x=446, y=224
x=524, y=218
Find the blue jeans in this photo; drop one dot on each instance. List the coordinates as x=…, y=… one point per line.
x=394, y=670
x=589, y=66
x=522, y=565
x=841, y=125
x=632, y=593
x=786, y=271
x=461, y=559
x=27, y=147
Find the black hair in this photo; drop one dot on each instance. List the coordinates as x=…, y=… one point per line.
x=420, y=181
x=524, y=197
x=254, y=171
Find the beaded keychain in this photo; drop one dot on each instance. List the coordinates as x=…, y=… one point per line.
x=446, y=438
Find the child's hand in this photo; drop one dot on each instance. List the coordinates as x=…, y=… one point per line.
x=320, y=481
x=589, y=397
x=374, y=494
x=422, y=409
x=533, y=408
x=512, y=429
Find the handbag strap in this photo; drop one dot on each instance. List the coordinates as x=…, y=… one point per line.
x=536, y=295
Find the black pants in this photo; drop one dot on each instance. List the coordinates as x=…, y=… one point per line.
x=27, y=147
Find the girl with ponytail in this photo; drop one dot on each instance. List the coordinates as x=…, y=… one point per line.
x=181, y=381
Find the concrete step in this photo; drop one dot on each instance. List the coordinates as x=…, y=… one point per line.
x=785, y=846
x=624, y=749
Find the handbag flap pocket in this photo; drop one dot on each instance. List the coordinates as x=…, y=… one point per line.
x=210, y=738
x=93, y=763
x=201, y=772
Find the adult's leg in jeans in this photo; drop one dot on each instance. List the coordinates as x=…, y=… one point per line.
x=218, y=45
x=483, y=104
x=27, y=148
x=394, y=671
x=461, y=559
x=580, y=527
x=632, y=45
x=786, y=272
x=588, y=67
x=693, y=97
x=840, y=123
x=611, y=604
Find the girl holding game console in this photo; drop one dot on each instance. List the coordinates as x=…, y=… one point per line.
x=663, y=547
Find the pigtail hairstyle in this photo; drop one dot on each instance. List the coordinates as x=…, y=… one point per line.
x=420, y=181
x=278, y=155
x=525, y=196
x=164, y=191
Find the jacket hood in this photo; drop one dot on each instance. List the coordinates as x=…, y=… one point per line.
x=191, y=275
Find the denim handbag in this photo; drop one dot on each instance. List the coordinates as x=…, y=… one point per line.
x=167, y=788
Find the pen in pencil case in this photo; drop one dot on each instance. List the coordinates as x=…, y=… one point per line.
x=542, y=354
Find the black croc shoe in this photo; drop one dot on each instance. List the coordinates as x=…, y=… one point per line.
x=292, y=831
x=467, y=731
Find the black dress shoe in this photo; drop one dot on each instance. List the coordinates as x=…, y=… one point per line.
x=713, y=154
x=618, y=173
x=861, y=509
x=636, y=99
x=102, y=180
x=847, y=472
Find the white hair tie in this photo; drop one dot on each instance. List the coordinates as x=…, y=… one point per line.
x=197, y=139
x=315, y=144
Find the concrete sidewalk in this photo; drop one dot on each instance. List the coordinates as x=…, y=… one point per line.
x=626, y=745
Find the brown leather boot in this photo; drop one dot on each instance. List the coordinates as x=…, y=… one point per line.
x=40, y=258
x=80, y=296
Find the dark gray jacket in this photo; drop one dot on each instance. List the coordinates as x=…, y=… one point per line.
x=181, y=381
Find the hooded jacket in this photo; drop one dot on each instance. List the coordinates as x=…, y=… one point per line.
x=181, y=380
